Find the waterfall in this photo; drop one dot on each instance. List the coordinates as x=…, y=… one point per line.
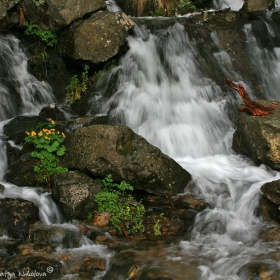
x=267, y=61
x=163, y=95
x=20, y=92
x=235, y=5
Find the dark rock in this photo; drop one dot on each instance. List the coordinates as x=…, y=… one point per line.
x=102, y=149
x=16, y=128
x=259, y=137
x=265, y=270
x=272, y=191
x=257, y=5
x=74, y=192
x=268, y=210
x=2, y=188
x=56, y=236
x=52, y=113
x=16, y=217
x=5, y=6
x=96, y=39
x=86, y=121
x=57, y=14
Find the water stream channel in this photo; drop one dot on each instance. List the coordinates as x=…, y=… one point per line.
x=164, y=95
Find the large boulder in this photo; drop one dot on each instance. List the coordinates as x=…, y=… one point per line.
x=96, y=39
x=16, y=217
x=103, y=149
x=74, y=192
x=259, y=137
x=5, y=6
x=57, y=14
x=257, y=5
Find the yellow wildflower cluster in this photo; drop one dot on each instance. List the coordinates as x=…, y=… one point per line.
x=45, y=132
x=32, y=133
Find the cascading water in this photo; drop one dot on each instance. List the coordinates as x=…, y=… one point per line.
x=164, y=96
x=22, y=94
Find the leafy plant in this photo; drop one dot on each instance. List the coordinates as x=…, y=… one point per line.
x=157, y=228
x=77, y=87
x=45, y=36
x=156, y=13
x=48, y=148
x=126, y=213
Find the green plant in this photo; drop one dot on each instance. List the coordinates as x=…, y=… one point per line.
x=88, y=218
x=48, y=146
x=157, y=228
x=126, y=213
x=45, y=36
x=156, y=13
x=77, y=87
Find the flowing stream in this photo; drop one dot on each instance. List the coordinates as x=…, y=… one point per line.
x=164, y=95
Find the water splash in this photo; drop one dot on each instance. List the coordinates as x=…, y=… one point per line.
x=235, y=5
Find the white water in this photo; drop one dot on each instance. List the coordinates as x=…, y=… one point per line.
x=235, y=5
x=33, y=95
x=266, y=61
x=163, y=96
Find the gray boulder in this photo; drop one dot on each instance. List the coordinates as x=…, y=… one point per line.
x=74, y=192
x=259, y=137
x=96, y=39
x=56, y=14
x=103, y=149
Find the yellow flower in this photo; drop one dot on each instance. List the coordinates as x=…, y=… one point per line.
x=63, y=135
x=58, y=132
x=27, y=132
x=40, y=133
x=33, y=133
x=47, y=138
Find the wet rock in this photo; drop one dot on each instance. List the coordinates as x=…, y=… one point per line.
x=272, y=191
x=53, y=113
x=64, y=236
x=5, y=6
x=257, y=5
x=86, y=121
x=259, y=138
x=57, y=14
x=16, y=128
x=16, y=217
x=262, y=270
x=186, y=201
x=102, y=149
x=74, y=193
x=271, y=234
x=96, y=39
x=21, y=167
x=268, y=210
x=34, y=267
x=2, y=188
